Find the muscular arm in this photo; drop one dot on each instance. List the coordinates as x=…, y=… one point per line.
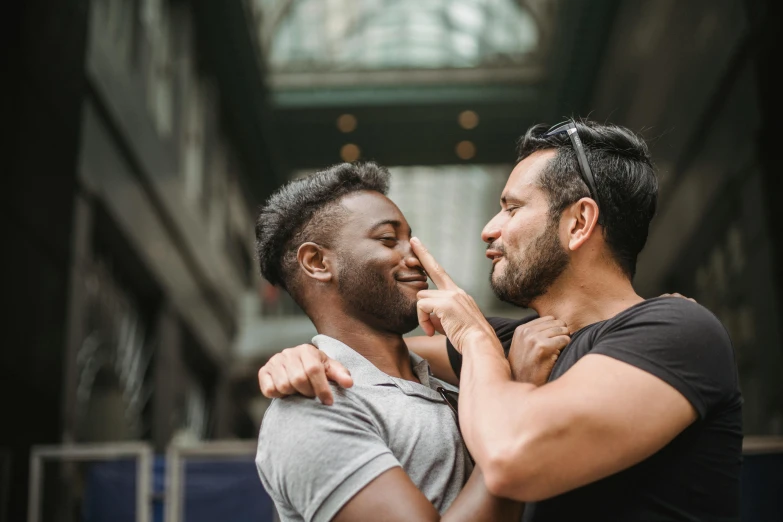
x=600, y=417
x=393, y=497
x=433, y=349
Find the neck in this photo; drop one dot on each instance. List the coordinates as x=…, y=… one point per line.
x=581, y=298
x=386, y=350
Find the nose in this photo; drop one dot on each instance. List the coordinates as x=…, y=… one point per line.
x=410, y=259
x=491, y=231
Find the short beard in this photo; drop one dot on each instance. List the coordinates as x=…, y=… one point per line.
x=368, y=295
x=527, y=279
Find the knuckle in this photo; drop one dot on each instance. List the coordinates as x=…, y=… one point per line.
x=313, y=368
x=298, y=377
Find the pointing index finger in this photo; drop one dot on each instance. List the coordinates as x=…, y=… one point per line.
x=433, y=269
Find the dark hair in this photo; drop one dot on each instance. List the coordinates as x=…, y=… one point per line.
x=624, y=176
x=307, y=209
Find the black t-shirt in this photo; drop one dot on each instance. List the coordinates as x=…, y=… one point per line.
x=696, y=477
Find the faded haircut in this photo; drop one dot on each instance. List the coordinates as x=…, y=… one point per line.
x=308, y=209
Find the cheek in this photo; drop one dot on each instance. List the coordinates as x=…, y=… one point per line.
x=513, y=235
x=384, y=261
x=379, y=256
x=518, y=237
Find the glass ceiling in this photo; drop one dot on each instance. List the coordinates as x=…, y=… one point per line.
x=370, y=35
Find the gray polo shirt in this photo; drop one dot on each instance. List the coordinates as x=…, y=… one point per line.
x=312, y=458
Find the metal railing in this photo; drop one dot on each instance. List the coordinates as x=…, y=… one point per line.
x=175, y=464
x=176, y=456
x=142, y=452
x=755, y=445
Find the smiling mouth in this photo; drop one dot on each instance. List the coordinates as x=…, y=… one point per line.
x=421, y=285
x=416, y=281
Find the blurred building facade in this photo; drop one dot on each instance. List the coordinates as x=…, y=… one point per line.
x=144, y=133
x=139, y=153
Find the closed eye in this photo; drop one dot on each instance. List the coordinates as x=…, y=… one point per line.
x=388, y=240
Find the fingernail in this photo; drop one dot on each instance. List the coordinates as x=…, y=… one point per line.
x=415, y=239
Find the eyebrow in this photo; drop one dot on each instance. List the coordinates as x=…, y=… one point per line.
x=393, y=222
x=505, y=199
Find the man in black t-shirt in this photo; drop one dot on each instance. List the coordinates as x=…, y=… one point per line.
x=694, y=477
x=640, y=417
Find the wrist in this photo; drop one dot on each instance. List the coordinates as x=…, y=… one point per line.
x=480, y=339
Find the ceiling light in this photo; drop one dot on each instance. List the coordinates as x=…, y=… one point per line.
x=465, y=150
x=468, y=120
x=350, y=152
x=346, y=123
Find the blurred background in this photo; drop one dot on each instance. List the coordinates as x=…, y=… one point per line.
x=141, y=136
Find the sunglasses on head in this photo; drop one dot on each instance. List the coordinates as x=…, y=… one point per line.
x=585, y=171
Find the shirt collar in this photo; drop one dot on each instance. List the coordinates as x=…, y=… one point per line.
x=366, y=373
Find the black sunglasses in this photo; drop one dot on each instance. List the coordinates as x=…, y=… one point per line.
x=452, y=399
x=569, y=127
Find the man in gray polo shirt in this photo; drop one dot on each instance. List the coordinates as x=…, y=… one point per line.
x=389, y=448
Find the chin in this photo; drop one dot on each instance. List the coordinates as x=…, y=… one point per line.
x=402, y=325
x=495, y=278
x=402, y=320
x=410, y=321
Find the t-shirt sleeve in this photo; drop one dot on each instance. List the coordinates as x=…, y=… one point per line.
x=312, y=459
x=681, y=343
x=504, y=329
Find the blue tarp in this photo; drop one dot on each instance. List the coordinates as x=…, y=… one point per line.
x=230, y=491
x=215, y=491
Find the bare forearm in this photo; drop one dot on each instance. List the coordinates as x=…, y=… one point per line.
x=476, y=504
x=490, y=401
x=433, y=349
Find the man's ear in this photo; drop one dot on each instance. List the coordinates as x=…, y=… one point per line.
x=315, y=261
x=582, y=222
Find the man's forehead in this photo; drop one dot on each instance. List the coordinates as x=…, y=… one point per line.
x=524, y=177
x=369, y=207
